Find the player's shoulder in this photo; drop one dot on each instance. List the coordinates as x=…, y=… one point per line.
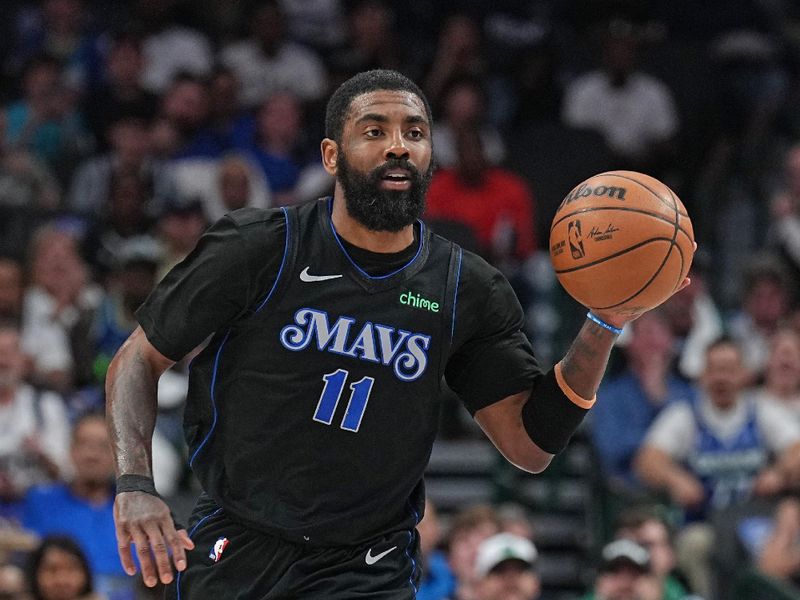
x=257, y=226
x=475, y=268
x=475, y=274
x=244, y=217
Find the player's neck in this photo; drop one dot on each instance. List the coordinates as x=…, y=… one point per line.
x=375, y=241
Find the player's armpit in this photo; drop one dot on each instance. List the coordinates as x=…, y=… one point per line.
x=502, y=424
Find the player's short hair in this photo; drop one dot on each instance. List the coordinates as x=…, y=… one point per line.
x=368, y=81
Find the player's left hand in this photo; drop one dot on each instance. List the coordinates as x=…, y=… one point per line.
x=618, y=319
x=145, y=520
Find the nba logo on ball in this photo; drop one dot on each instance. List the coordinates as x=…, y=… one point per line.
x=634, y=254
x=217, y=549
x=575, y=239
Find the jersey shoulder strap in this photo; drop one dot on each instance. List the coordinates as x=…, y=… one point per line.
x=287, y=265
x=451, y=299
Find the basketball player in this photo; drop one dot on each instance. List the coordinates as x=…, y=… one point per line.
x=313, y=408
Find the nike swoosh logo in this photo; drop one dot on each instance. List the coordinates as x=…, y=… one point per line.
x=371, y=560
x=305, y=276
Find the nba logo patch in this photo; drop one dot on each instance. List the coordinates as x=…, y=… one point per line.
x=575, y=237
x=217, y=549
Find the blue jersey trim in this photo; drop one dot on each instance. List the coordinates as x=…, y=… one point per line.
x=362, y=271
x=455, y=294
x=411, y=534
x=191, y=533
x=283, y=260
x=213, y=399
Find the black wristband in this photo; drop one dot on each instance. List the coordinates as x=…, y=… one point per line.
x=136, y=483
x=549, y=416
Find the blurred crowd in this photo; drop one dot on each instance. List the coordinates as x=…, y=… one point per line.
x=128, y=126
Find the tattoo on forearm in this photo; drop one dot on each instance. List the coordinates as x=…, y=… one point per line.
x=585, y=362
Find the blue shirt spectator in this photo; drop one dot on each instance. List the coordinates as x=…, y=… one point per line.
x=84, y=508
x=628, y=403
x=621, y=418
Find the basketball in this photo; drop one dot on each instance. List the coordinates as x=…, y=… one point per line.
x=621, y=241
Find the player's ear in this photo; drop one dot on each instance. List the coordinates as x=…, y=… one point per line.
x=330, y=153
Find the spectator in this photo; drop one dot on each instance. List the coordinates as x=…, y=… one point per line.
x=622, y=569
x=126, y=215
x=59, y=28
x=463, y=108
x=630, y=401
x=781, y=383
x=129, y=152
x=654, y=535
x=60, y=293
x=280, y=148
x=132, y=278
x=178, y=230
x=268, y=62
x=12, y=583
x=58, y=570
x=783, y=233
x=371, y=43
x=459, y=55
x=437, y=581
x=694, y=319
x=169, y=47
x=26, y=183
x=469, y=528
x=496, y=204
x=120, y=92
x=228, y=123
x=514, y=519
x=766, y=302
x=185, y=106
x=319, y=24
x=33, y=426
x=83, y=508
x=778, y=559
x=45, y=121
x=232, y=182
x=713, y=453
x=11, y=289
x=506, y=569
x=633, y=110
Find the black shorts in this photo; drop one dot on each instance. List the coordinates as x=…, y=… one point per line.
x=232, y=562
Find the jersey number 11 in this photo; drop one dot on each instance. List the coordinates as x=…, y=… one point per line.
x=329, y=399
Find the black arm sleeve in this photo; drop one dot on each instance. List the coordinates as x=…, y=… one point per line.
x=493, y=358
x=233, y=263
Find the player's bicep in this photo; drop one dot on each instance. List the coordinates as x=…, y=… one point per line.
x=502, y=424
x=493, y=358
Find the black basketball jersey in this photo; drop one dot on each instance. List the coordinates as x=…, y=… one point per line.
x=313, y=410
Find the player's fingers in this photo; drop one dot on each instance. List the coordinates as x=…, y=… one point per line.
x=175, y=542
x=160, y=552
x=684, y=284
x=186, y=540
x=140, y=538
x=124, y=551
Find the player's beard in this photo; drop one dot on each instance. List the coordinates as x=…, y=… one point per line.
x=383, y=210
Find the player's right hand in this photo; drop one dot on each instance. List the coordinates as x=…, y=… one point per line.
x=145, y=520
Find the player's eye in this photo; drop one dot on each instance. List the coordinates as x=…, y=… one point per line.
x=416, y=134
x=373, y=132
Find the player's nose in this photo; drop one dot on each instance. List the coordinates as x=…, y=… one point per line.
x=396, y=148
